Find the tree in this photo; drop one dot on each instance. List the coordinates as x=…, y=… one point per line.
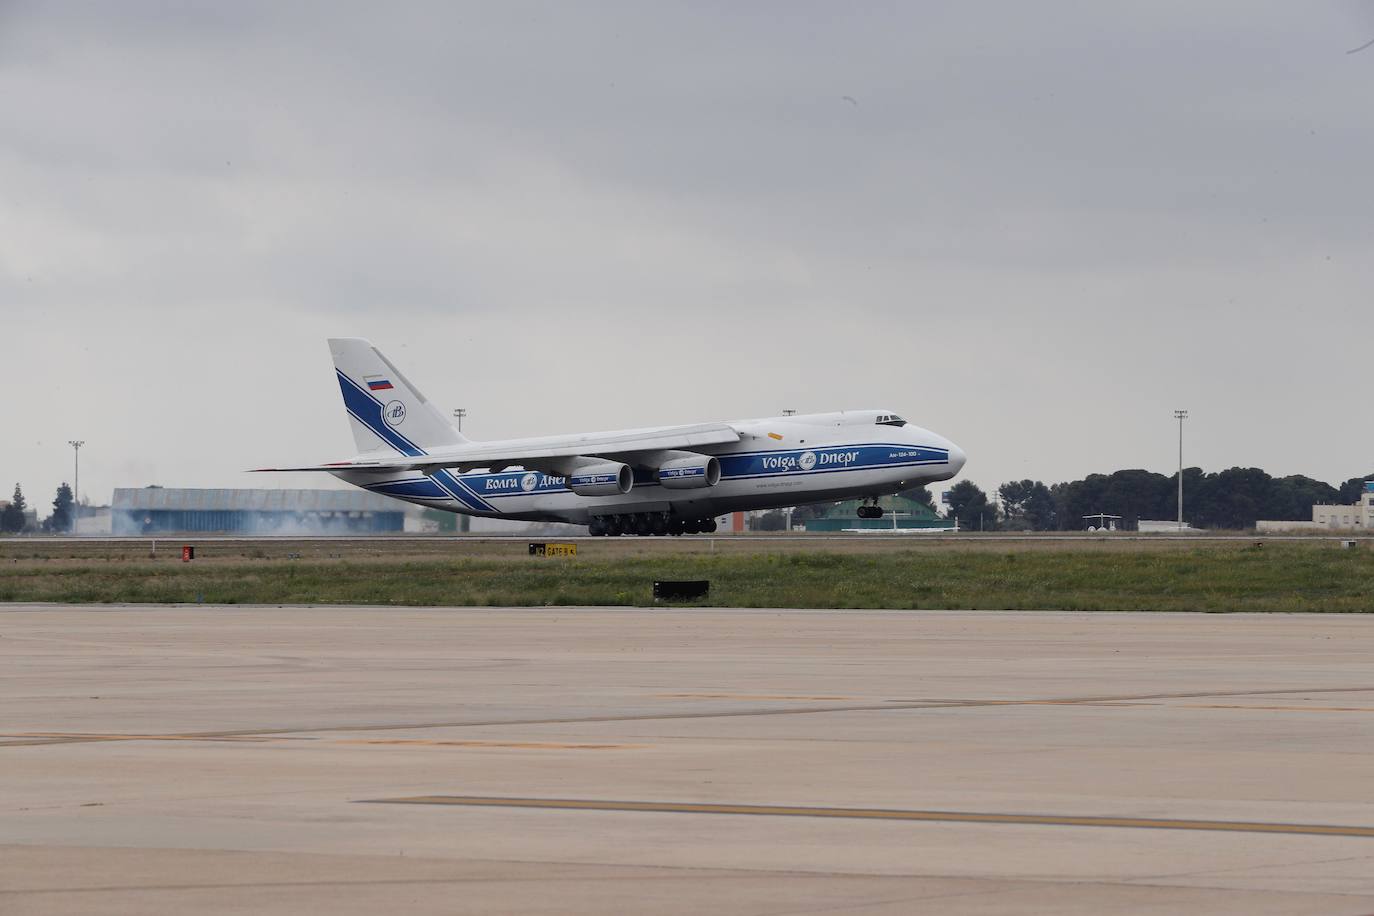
x=63, y=516
x=1027, y=504
x=1135, y=494
x=1132, y=494
x=969, y=505
x=1040, y=509
x=1352, y=489
x=1234, y=498
x=772, y=520
x=1194, y=482
x=1231, y=499
x=12, y=519
x=1292, y=498
x=919, y=495
x=802, y=514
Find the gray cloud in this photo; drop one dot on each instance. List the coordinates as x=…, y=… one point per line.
x=1036, y=228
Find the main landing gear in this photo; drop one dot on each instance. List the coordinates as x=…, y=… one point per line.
x=648, y=523
x=873, y=511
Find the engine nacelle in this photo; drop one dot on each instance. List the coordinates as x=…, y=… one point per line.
x=607, y=478
x=689, y=472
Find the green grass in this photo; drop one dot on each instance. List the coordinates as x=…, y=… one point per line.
x=1277, y=577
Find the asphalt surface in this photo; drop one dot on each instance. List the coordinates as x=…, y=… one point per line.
x=552, y=760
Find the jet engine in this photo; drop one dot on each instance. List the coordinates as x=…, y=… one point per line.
x=689, y=472
x=605, y=478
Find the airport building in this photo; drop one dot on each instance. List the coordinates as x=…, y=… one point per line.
x=1160, y=526
x=166, y=510
x=1359, y=517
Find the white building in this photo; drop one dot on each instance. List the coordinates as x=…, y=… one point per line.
x=94, y=521
x=1160, y=526
x=1359, y=517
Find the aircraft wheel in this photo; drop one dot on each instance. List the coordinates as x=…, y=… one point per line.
x=659, y=524
x=596, y=527
x=708, y=526
x=642, y=525
x=613, y=526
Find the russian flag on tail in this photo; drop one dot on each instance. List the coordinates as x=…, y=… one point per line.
x=377, y=383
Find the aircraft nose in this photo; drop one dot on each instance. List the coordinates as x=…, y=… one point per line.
x=956, y=458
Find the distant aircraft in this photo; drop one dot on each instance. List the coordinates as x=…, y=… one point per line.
x=661, y=480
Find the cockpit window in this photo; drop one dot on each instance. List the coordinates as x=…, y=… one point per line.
x=890, y=419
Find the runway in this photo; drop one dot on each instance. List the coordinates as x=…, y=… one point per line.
x=555, y=760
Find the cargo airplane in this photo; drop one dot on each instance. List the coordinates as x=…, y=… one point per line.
x=660, y=480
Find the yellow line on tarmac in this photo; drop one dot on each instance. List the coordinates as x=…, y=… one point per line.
x=744, y=696
x=519, y=745
x=87, y=736
x=883, y=814
x=1271, y=708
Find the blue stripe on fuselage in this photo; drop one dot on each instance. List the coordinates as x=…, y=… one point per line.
x=827, y=459
x=895, y=446
x=455, y=486
x=367, y=410
x=473, y=490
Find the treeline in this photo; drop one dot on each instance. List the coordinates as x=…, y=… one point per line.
x=14, y=516
x=1234, y=499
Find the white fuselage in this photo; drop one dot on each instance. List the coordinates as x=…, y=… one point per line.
x=779, y=461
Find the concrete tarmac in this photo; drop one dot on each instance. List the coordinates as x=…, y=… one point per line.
x=350, y=760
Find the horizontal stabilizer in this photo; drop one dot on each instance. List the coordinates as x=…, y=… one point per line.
x=359, y=465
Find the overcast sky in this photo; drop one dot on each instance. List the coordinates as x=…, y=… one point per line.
x=1034, y=228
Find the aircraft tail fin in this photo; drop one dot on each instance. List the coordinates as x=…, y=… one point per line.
x=387, y=413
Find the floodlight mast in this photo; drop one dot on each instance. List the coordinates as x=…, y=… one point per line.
x=76, y=478
x=1181, y=415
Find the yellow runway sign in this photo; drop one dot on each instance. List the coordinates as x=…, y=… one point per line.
x=553, y=550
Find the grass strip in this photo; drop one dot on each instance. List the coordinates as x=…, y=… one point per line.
x=1283, y=578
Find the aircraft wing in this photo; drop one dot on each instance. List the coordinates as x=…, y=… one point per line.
x=528, y=452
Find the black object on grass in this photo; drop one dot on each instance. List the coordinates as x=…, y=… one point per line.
x=681, y=589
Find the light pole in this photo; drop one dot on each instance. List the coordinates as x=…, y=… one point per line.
x=1181, y=415
x=458, y=414
x=76, y=478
